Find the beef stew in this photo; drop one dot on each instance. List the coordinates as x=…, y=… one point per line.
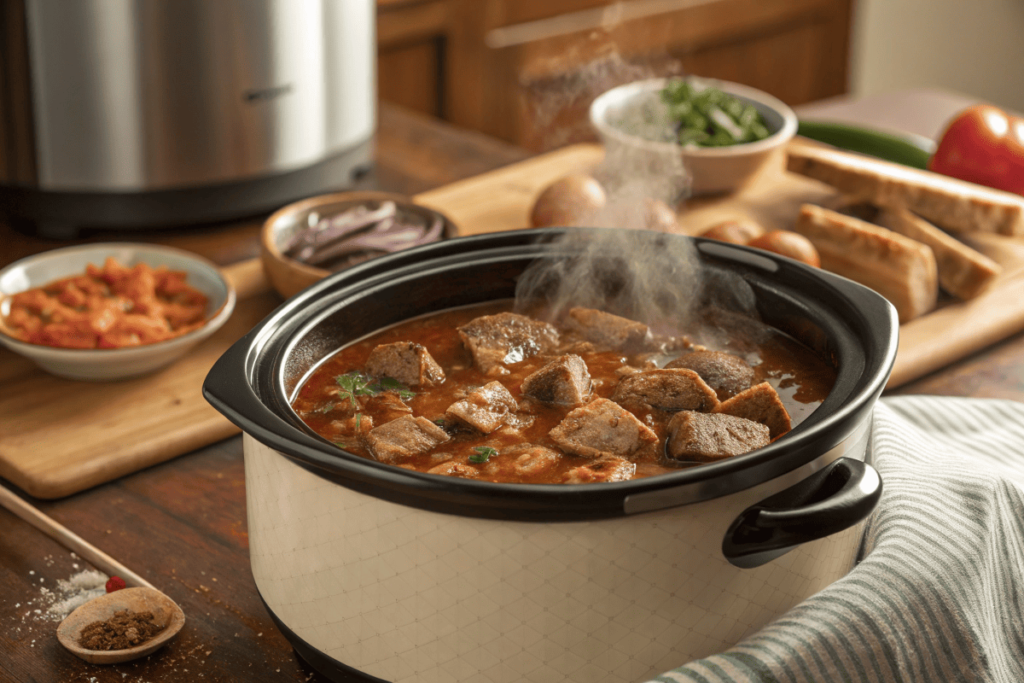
x=484, y=393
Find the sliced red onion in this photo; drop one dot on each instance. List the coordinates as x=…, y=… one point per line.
x=361, y=233
x=304, y=243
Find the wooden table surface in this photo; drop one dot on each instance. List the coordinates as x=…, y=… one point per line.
x=182, y=525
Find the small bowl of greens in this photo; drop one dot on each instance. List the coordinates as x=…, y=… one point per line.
x=722, y=132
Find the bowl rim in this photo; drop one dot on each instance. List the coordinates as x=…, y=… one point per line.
x=271, y=226
x=213, y=322
x=599, y=109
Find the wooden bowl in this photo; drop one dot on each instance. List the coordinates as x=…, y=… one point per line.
x=289, y=276
x=165, y=611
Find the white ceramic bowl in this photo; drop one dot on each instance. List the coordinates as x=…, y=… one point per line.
x=711, y=169
x=111, y=364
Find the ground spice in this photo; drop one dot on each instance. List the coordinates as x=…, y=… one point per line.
x=124, y=630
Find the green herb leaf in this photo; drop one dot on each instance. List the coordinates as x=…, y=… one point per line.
x=440, y=421
x=359, y=417
x=391, y=384
x=483, y=454
x=354, y=384
x=327, y=407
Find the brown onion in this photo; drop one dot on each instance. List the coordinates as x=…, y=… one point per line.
x=787, y=243
x=570, y=201
x=735, y=231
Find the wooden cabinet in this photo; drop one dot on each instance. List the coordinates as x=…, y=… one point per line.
x=526, y=70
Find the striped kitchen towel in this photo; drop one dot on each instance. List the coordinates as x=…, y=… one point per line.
x=939, y=596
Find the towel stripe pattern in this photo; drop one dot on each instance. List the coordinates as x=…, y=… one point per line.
x=937, y=597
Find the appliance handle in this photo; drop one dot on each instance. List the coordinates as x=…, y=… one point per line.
x=832, y=500
x=228, y=390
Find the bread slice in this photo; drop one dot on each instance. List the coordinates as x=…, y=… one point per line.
x=897, y=267
x=963, y=272
x=956, y=205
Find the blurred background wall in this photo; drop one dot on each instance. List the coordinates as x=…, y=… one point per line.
x=975, y=47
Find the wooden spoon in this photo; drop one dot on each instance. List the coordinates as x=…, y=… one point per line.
x=166, y=613
x=143, y=598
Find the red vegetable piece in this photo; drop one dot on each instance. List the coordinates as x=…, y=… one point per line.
x=983, y=145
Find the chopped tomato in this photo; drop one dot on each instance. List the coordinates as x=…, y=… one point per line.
x=983, y=145
x=108, y=307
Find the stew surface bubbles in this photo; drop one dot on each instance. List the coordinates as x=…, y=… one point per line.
x=484, y=393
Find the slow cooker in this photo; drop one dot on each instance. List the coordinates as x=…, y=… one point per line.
x=377, y=573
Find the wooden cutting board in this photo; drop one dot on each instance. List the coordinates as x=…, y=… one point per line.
x=58, y=437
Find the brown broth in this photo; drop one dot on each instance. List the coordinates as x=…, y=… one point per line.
x=801, y=379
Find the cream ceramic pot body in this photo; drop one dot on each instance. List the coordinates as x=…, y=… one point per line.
x=407, y=595
x=380, y=573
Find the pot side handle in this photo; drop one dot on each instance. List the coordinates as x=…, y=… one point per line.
x=834, y=499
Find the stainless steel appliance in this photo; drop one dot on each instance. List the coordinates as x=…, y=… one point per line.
x=142, y=113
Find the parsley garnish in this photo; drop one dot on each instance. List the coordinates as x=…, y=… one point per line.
x=389, y=384
x=354, y=384
x=357, y=384
x=483, y=454
x=327, y=407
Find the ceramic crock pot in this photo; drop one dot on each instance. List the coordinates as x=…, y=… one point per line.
x=377, y=573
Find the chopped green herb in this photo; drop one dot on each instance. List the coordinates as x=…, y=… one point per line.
x=327, y=407
x=359, y=417
x=355, y=384
x=709, y=117
x=483, y=454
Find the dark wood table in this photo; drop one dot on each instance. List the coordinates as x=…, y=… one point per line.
x=182, y=525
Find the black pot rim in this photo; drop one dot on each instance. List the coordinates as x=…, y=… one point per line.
x=244, y=385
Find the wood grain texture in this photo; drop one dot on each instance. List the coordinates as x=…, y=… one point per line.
x=98, y=445
x=526, y=71
x=69, y=539
x=182, y=523
x=109, y=429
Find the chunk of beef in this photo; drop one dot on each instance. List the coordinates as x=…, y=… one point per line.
x=602, y=427
x=530, y=459
x=348, y=430
x=485, y=409
x=704, y=437
x=564, y=380
x=454, y=468
x=608, y=330
x=408, y=362
x=669, y=390
x=506, y=338
x=403, y=438
x=388, y=405
x=727, y=374
x=608, y=468
x=759, y=403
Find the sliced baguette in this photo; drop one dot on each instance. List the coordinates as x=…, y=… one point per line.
x=963, y=272
x=956, y=205
x=897, y=267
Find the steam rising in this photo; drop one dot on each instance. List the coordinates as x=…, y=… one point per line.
x=635, y=273
x=642, y=276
